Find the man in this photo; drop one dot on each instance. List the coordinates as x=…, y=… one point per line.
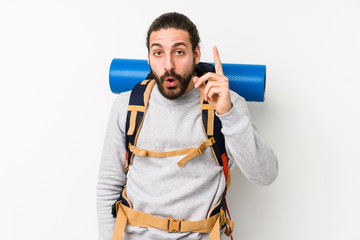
x=157, y=186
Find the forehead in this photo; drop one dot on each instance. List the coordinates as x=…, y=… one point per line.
x=169, y=37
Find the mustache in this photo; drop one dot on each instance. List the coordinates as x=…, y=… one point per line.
x=170, y=74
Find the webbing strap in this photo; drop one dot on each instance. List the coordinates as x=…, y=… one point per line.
x=138, y=103
x=198, y=151
x=120, y=224
x=211, y=116
x=212, y=128
x=191, y=152
x=149, y=153
x=134, y=110
x=133, y=115
x=133, y=217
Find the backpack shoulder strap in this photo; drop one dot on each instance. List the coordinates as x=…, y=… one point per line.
x=138, y=103
x=212, y=125
x=212, y=128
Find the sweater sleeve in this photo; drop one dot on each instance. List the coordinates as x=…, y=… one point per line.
x=112, y=173
x=245, y=146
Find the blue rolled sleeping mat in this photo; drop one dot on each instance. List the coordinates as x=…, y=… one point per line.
x=245, y=79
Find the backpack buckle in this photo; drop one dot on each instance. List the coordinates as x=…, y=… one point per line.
x=174, y=225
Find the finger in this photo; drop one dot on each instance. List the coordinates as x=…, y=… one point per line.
x=209, y=93
x=199, y=85
x=195, y=79
x=207, y=77
x=198, y=82
x=211, y=89
x=217, y=61
x=213, y=94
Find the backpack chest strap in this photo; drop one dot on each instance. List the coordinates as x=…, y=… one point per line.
x=190, y=152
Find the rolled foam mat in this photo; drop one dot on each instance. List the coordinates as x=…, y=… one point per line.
x=245, y=79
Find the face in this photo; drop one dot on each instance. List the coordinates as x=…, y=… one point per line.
x=172, y=61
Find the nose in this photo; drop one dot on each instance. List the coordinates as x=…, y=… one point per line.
x=169, y=64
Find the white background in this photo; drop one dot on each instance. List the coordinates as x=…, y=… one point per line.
x=55, y=102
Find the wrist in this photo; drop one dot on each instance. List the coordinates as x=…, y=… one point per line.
x=224, y=110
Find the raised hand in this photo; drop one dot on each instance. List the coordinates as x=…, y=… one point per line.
x=216, y=90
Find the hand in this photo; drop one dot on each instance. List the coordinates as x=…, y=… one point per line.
x=216, y=91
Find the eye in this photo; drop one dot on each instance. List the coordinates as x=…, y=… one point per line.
x=179, y=52
x=157, y=53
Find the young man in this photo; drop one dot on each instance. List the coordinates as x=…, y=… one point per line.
x=157, y=186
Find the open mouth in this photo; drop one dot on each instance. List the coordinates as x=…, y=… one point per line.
x=170, y=81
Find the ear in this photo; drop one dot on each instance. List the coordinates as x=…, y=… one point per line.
x=148, y=59
x=197, y=54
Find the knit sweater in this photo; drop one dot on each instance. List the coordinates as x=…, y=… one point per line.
x=157, y=185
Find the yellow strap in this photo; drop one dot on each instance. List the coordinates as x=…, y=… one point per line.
x=207, y=107
x=198, y=151
x=142, y=219
x=210, y=123
x=120, y=224
x=228, y=182
x=148, y=92
x=132, y=123
x=215, y=233
x=144, y=82
x=127, y=215
x=136, y=108
x=191, y=152
x=133, y=217
x=211, y=115
x=230, y=224
x=149, y=153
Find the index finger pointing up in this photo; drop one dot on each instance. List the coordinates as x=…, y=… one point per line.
x=217, y=61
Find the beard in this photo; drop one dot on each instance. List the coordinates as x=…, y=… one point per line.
x=182, y=82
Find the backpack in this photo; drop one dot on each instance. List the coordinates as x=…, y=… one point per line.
x=137, y=107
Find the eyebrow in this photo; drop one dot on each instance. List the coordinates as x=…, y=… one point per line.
x=156, y=45
x=179, y=44
x=174, y=46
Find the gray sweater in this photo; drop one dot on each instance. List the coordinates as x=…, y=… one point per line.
x=157, y=185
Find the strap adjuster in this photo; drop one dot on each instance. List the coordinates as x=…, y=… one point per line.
x=174, y=225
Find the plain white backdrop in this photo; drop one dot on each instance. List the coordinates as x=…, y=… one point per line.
x=55, y=101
